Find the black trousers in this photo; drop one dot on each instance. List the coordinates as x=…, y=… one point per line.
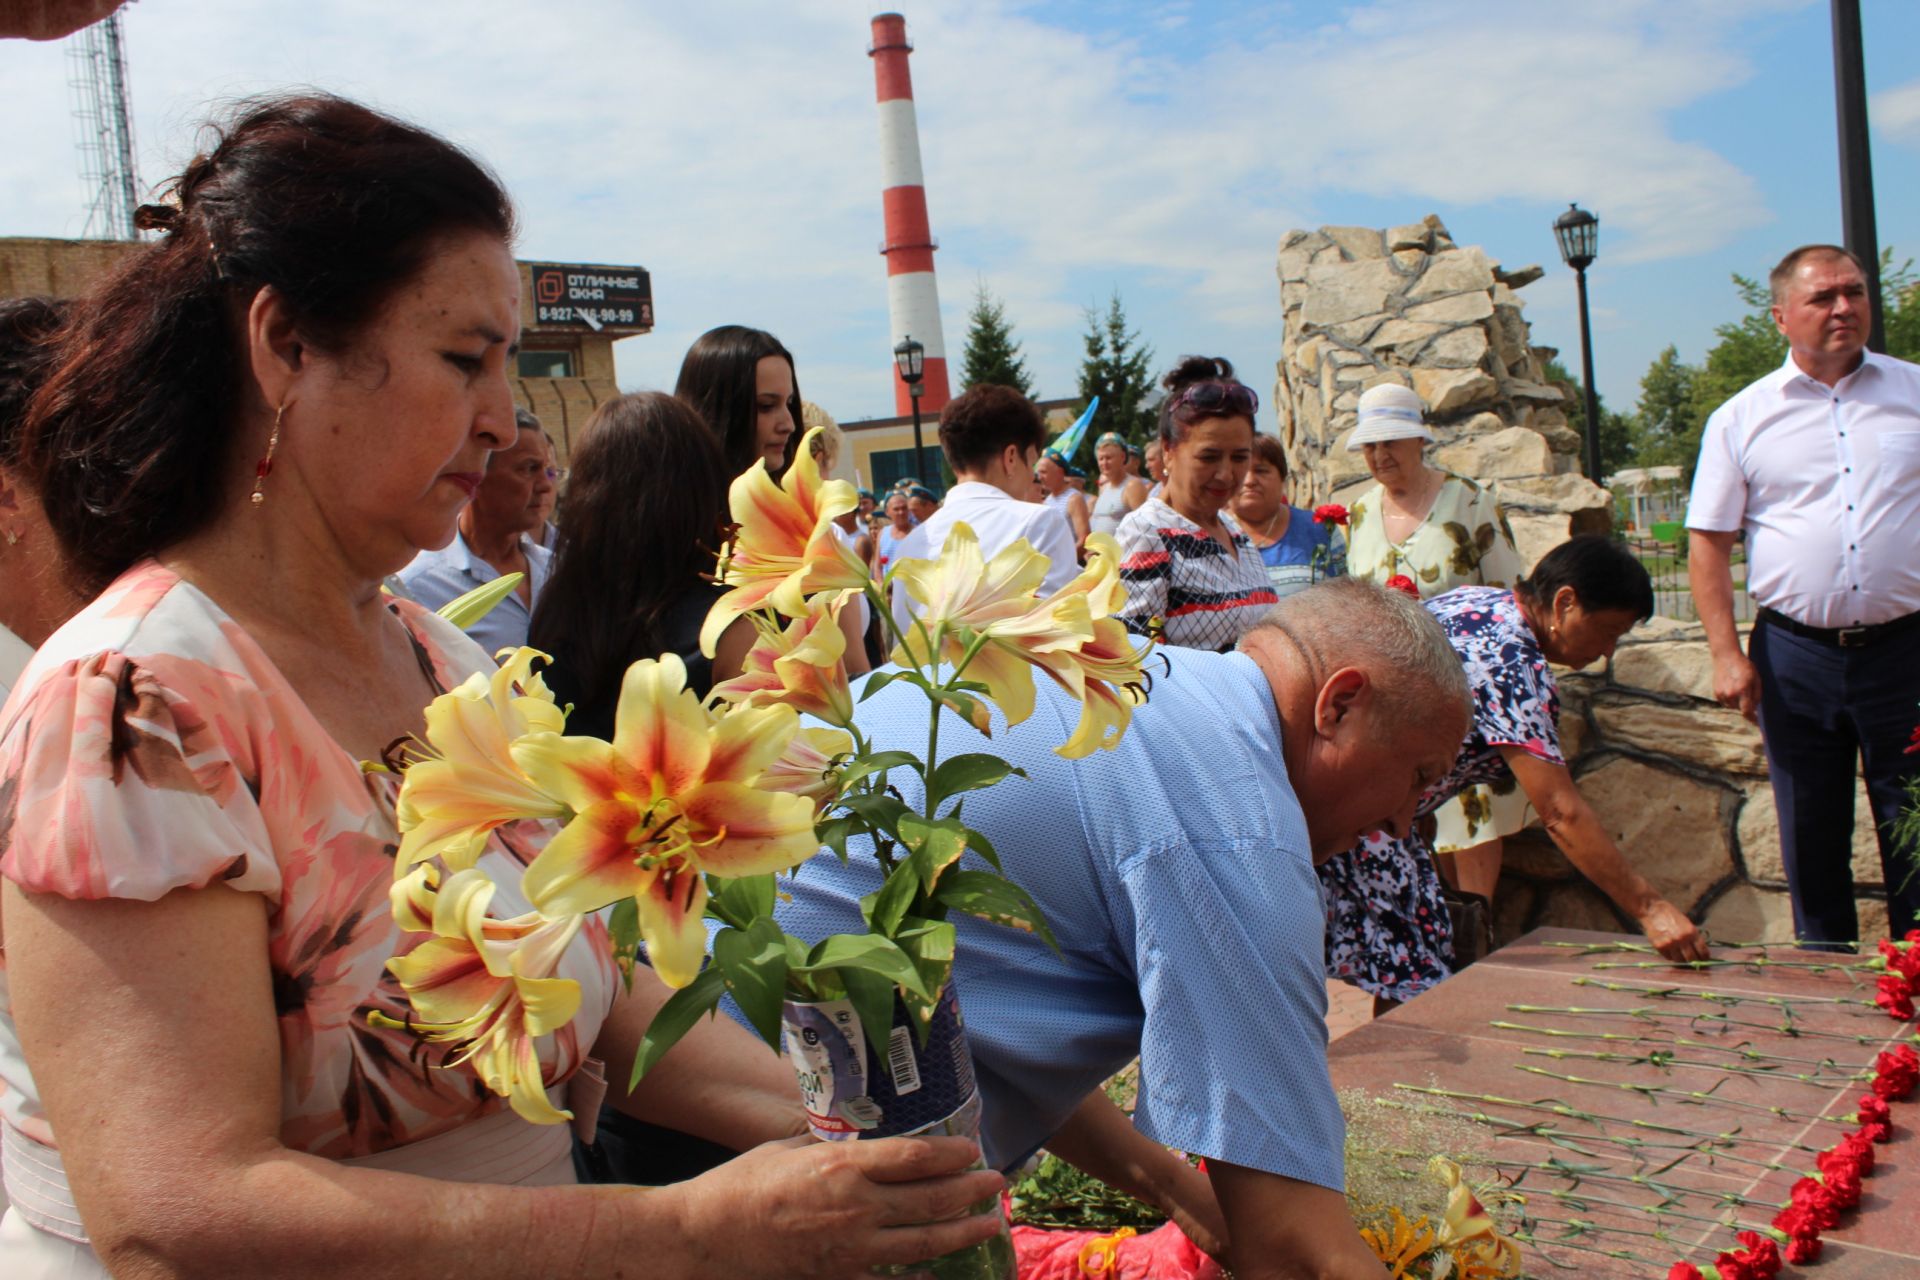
x=1822, y=710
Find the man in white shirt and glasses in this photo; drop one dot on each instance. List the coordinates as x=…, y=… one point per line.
x=1819, y=464
x=992, y=437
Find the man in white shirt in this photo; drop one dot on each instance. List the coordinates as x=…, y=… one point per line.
x=494, y=538
x=992, y=437
x=1819, y=464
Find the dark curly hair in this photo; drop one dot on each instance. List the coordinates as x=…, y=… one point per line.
x=333, y=206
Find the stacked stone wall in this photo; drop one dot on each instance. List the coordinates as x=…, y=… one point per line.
x=1679, y=781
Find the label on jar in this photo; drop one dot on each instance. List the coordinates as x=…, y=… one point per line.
x=828, y=1049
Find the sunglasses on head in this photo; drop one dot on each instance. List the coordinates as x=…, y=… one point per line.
x=1218, y=398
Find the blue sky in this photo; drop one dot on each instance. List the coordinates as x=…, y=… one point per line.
x=1071, y=149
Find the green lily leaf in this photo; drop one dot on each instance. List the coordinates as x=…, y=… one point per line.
x=932, y=846
x=754, y=966
x=739, y=902
x=996, y=899
x=966, y=773
x=876, y=762
x=930, y=943
x=872, y=996
x=675, y=1018
x=464, y=611
x=886, y=906
x=869, y=952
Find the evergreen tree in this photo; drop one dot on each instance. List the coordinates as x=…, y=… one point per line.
x=992, y=356
x=1119, y=370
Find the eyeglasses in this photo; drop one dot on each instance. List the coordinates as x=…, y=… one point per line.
x=1218, y=398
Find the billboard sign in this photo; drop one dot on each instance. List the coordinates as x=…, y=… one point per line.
x=598, y=299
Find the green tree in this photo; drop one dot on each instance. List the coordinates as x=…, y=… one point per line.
x=1900, y=294
x=1666, y=423
x=1749, y=348
x=992, y=355
x=1617, y=436
x=1118, y=369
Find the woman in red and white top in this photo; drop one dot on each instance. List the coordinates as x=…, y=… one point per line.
x=1192, y=577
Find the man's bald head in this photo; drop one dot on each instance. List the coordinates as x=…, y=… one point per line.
x=1373, y=700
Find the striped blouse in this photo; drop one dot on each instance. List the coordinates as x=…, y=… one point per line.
x=1176, y=571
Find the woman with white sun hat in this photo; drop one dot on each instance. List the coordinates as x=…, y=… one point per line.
x=1441, y=531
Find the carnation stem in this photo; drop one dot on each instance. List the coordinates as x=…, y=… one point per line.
x=1720, y=997
x=1741, y=1049
x=1689, y=1095
x=1653, y=1015
x=1658, y=1059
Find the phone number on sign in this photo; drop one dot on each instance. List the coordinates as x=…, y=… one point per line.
x=605, y=315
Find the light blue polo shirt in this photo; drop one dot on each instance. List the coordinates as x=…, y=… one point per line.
x=435, y=578
x=1176, y=874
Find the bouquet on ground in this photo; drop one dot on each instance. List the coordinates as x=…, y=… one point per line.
x=692, y=809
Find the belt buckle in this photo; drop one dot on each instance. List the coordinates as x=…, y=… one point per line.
x=1852, y=637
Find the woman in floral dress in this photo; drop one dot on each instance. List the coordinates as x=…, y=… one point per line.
x=1387, y=928
x=203, y=1033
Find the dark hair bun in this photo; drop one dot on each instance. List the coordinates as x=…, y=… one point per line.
x=1193, y=369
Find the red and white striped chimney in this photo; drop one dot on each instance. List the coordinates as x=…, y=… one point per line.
x=913, y=302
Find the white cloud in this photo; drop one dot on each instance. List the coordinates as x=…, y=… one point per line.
x=732, y=148
x=1895, y=114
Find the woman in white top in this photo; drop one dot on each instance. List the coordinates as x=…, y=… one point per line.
x=1120, y=493
x=1051, y=472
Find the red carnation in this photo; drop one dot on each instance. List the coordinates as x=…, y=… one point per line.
x=1913, y=740
x=1803, y=1249
x=1843, y=1184
x=1737, y=1266
x=1902, y=958
x=1402, y=583
x=1895, y=1074
x=1330, y=513
x=1684, y=1271
x=1911, y=935
x=1895, y=996
x=1815, y=1199
x=1860, y=1147
x=1763, y=1255
x=1874, y=1111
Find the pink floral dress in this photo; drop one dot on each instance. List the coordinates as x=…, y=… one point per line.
x=153, y=746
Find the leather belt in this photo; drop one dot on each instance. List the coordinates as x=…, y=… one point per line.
x=1842, y=637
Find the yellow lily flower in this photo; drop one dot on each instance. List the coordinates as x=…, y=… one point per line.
x=806, y=767
x=964, y=598
x=466, y=783
x=673, y=796
x=785, y=548
x=802, y=665
x=485, y=983
x=1469, y=1231
x=1069, y=635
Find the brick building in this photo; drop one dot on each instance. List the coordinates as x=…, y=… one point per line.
x=571, y=314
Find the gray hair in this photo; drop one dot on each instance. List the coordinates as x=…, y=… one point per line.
x=1350, y=622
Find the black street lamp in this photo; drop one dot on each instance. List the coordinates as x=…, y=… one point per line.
x=910, y=356
x=1579, y=235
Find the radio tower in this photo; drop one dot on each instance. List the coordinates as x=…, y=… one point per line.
x=913, y=303
x=98, y=79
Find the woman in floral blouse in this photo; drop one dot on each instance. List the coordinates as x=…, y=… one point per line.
x=1193, y=578
x=203, y=1037
x=1387, y=928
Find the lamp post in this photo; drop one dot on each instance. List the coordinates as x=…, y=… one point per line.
x=1579, y=235
x=911, y=356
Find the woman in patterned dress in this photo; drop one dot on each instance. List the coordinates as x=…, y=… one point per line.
x=1193, y=578
x=207, y=1068
x=1387, y=928
x=1442, y=531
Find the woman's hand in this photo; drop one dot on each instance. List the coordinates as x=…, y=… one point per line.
x=1671, y=933
x=802, y=1208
